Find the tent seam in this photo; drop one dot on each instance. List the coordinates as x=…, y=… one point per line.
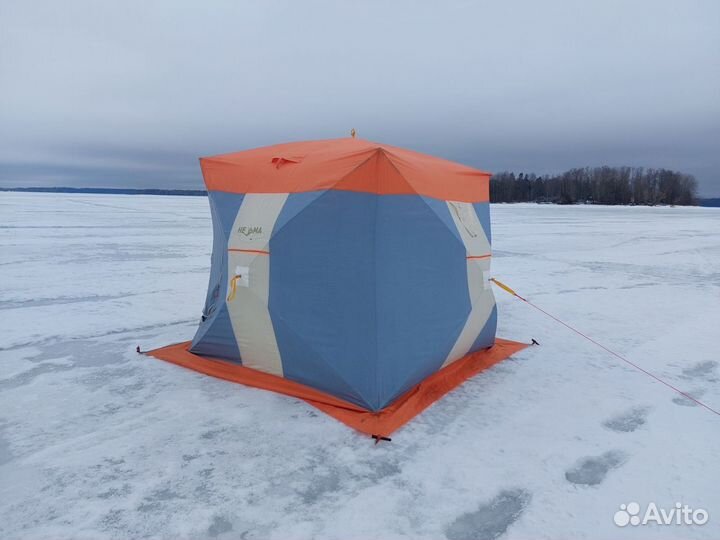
x=376, y=365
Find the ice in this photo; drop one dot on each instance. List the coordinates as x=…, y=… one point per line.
x=99, y=442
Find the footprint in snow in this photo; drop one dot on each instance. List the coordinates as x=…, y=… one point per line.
x=219, y=526
x=492, y=518
x=685, y=402
x=591, y=471
x=628, y=421
x=702, y=370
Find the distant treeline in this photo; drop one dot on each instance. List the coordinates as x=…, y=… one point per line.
x=110, y=191
x=601, y=185
x=598, y=185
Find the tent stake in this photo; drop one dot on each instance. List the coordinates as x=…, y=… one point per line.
x=379, y=438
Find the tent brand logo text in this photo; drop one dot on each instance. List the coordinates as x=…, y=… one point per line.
x=250, y=231
x=680, y=514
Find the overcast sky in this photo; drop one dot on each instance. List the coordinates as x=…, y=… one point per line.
x=130, y=93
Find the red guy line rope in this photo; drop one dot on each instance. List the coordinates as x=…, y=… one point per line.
x=603, y=347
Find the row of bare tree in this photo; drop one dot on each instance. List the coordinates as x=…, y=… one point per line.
x=599, y=185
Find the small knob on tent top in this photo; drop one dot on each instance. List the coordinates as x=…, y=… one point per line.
x=352, y=133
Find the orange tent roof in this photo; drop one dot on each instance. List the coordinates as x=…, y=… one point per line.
x=344, y=164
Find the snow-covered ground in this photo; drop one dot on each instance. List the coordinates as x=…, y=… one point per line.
x=99, y=442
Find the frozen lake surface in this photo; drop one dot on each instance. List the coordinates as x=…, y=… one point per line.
x=99, y=442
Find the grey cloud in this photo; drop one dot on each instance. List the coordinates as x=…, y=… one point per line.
x=131, y=93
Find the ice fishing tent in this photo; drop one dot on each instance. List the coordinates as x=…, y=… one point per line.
x=349, y=273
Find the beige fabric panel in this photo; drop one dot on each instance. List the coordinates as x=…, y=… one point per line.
x=469, y=227
x=248, y=258
x=482, y=300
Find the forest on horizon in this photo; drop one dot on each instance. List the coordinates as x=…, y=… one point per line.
x=597, y=185
x=587, y=185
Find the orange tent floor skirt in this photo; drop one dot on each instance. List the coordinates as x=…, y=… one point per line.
x=381, y=423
